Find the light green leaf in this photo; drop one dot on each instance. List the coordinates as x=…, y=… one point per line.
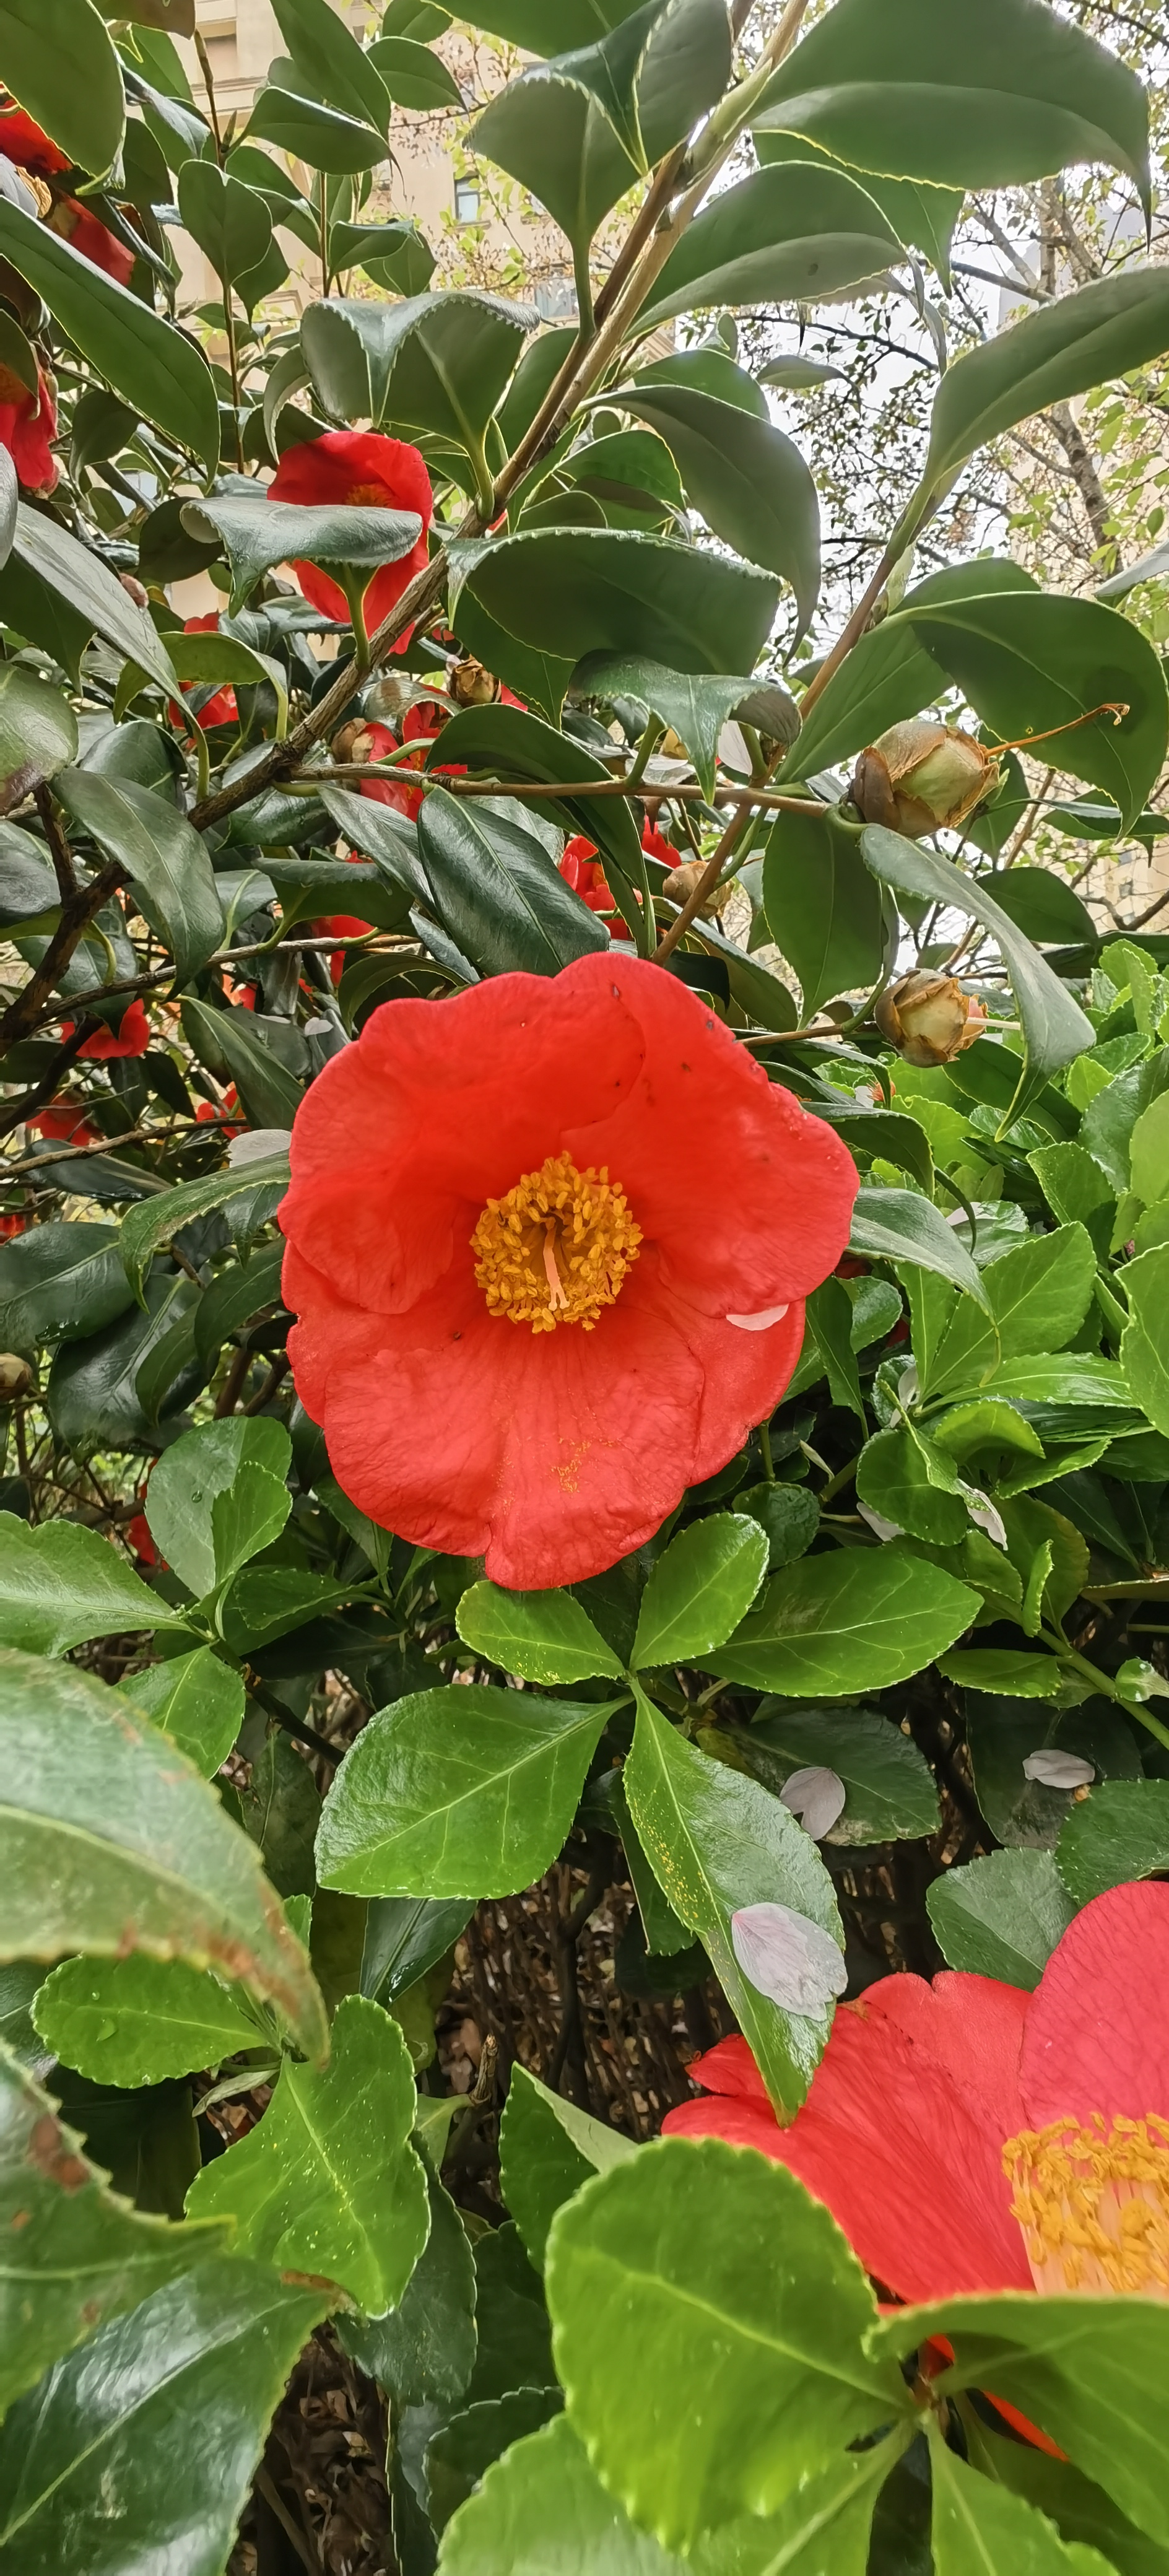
x=786, y=235
x=228, y=220
x=328, y=2182
x=545, y=1636
x=61, y=1583
x=1001, y=1916
x=902, y=1226
x=194, y=1699
x=708, y=2321
x=164, y=858
x=156, y=369
x=717, y=1843
x=214, y=2348
x=1005, y=1669
x=423, y=2352
x=749, y=481
x=466, y=1792
x=413, y=75
x=541, y=2499
x=980, y=2529
x=256, y=534
x=108, y=1833
x=1038, y=1294
x=890, y=1793
x=1120, y=1832
x=85, y=113
x=1083, y=339
x=907, y=1480
x=139, y=2020
x=700, y=1589
x=854, y=1621
x=148, y=1228
x=573, y=591
x=1144, y=1348
x=71, y=2252
x=547, y=2149
x=218, y=1496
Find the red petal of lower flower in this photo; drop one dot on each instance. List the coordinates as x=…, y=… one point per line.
x=1096, y=2039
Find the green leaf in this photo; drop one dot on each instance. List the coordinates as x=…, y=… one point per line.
x=1037, y=1295
x=1000, y=1917
x=256, y=534
x=1120, y=1832
x=108, y=1833
x=75, y=2254
x=515, y=2337
x=541, y=2491
x=84, y=114
x=328, y=2181
x=270, y=1094
x=138, y=2021
x=749, y=481
x=510, y=743
x=574, y=591
x=1044, y=907
x=889, y=674
x=1054, y=1026
x=980, y=2529
x=709, y=2319
x=547, y=2149
x=269, y=1601
x=61, y=1584
x=787, y=235
x=1089, y=2372
x=228, y=220
x=460, y=2453
x=92, y=1395
x=907, y=1480
x=1025, y=1813
x=194, y=1699
x=219, y=1496
x=1144, y=1347
x=545, y=1636
x=457, y=1793
x=789, y=1514
x=395, y=255
x=69, y=569
x=59, y=1280
x=423, y=2352
x=239, y=1292
x=895, y=86
x=1084, y=339
x=700, y=1589
x=156, y=369
x=164, y=858
x=823, y=909
x=449, y=357
x=340, y=145
x=146, y=1229
x=854, y=1621
x=890, y=1793
x=38, y=729
x=1005, y=1669
x=336, y=67
x=214, y=2348
x=902, y=1226
x=1082, y=2511
x=921, y=214
x=695, y=707
x=404, y=1938
x=413, y=75
x=717, y=1843
x=499, y=894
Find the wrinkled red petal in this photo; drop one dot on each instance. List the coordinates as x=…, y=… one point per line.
x=1097, y=2037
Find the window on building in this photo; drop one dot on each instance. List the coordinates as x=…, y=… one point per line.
x=466, y=201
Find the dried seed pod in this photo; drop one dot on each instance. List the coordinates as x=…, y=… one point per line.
x=471, y=686
x=928, y=1017
x=681, y=881
x=920, y=776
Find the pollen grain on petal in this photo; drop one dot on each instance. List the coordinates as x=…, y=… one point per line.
x=1093, y=2205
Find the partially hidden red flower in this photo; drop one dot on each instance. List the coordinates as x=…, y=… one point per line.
x=970, y=2137
x=222, y=708
x=206, y=1110
x=28, y=426
x=13, y=1225
x=79, y=226
x=132, y=1036
x=658, y=846
x=582, y=870
x=64, y=1119
x=358, y=469
x=24, y=141
x=548, y=1246
x=138, y=1534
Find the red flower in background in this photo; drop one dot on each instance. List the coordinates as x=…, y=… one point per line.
x=548, y=1243
x=24, y=141
x=64, y=1119
x=656, y=844
x=79, y=226
x=351, y=469
x=582, y=870
x=28, y=426
x=12, y=1225
x=969, y=2137
x=206, y=1110
x=222, y=708
x=132, y=1037
x=139, y=1538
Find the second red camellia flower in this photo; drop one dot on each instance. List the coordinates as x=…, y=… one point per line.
x=548, y=1247
x=357, y=469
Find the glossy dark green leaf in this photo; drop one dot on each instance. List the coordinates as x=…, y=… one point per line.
x=1024, y=1813
x=902, y=1226
x=894, y=86
x=165, y=860
x=498, y=892
x=317, y=135
x=155, y=368
x=890, y=1794
x=515, y=2337
x=230, y=223
x=1120, y=1832
x=91, y=1398
x=921, y=214
x=195, y=1699
x=789, y=234
x=1055, y=1027
x=423, y=2352
x=61, y=1583
x=137, y=2021
x=218, y=1496
x=146, y=1229
x=406, y=1936
x=1080, y=2508
x=694, y=706
x=257, y=534
x=889, y=674
x=788, y=1514
x=450, y=357
x=457, y=1793
x=336, y=68
x=280, y=1810
x=827, y=921
x=1085, y=339
x=413, y=75
x=699, y=1589
x=1001, y=1916
x=38, y=729
x=230, y=1042
x=460, y=2453
x=709, y=2321
x=545, y=1636
x=547, y=2149
x=238, y=1293
x=855, y=1621
x=84, y=113
x=747, y=478
x=328, y=2182
x=396, y=254
x=106, y=1827
x=718, y=1843
x=191, y=2378
x=60, y=1279
x=48, y=552
x=1044, y=907
x=602, y=590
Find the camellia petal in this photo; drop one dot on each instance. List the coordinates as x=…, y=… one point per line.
x=358, y=469
x=788, y=1957
x=1096, y=2041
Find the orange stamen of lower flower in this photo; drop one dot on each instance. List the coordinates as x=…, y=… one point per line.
x=556, y=1248
x=1093, y=2204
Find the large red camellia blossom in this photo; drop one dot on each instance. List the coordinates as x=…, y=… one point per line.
x=970, y=2137
x=548, y=1244
x=352, y=469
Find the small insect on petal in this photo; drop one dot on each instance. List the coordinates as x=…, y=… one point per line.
x=787, y=1957
x=816, y=1795
x=1056, y=1770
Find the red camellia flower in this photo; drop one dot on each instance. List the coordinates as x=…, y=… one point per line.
x=63, y=1119
x=350, y=468
x=582, y=870
x=222, y=708
x=206, y=1110
x=28, y=426
x=24, y=141
x=132, y=1037
x=970, y=2137
x=12, y=1225
x=548, y=1244
x=79, y=226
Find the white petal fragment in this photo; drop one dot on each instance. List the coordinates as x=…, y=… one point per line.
x=880, y=1527
x=816, y=1795
x=984, y=1514
x=1056, y=1770
x=760, y=1322
x=256, y=1144
x=787, y=1957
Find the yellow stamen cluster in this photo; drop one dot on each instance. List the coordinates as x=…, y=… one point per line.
x=555, y=1249
x=1093, y=2204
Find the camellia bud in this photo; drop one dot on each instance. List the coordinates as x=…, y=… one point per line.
x=354, y=742
x=928, y=1017
x=681, y=881
x=471, y=686
x=15, y=1376
x=922, y=775
x=135, y=589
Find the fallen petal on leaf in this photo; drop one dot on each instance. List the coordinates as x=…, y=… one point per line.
x=816, y=1795
x=787, y=1957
